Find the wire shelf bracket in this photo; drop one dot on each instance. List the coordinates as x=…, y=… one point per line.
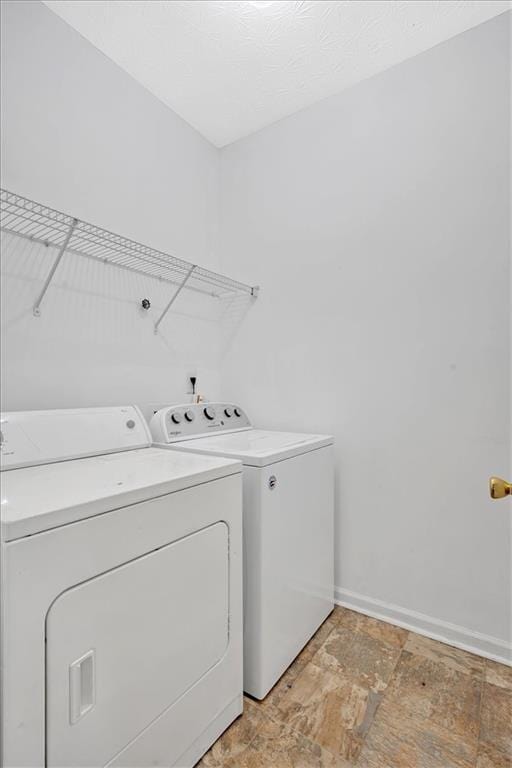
x=37, y=306
x=47, y=226
x=174, y=296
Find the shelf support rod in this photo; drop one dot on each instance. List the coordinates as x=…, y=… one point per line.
x=175, y=296
x=36, y=309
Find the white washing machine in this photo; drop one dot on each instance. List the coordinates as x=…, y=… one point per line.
x=288, y=528
x=121, y=593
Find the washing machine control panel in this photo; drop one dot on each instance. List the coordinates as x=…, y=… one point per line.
x=184, y=422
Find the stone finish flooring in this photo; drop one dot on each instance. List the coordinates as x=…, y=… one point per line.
x=365, y=693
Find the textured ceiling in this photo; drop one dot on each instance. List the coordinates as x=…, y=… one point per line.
x=231, y=67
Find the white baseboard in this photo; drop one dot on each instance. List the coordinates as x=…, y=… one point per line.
x=452, y=634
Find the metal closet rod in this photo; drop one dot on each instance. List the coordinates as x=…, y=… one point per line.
x=41, y=224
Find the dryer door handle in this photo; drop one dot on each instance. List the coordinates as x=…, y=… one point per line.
x=81, y=687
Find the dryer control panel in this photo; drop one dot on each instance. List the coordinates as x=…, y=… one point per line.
x=191, y=420
x=30, y=438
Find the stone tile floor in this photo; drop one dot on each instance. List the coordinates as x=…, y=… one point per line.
x=365, y=693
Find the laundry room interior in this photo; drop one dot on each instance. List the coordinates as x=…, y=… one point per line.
x=256, y=383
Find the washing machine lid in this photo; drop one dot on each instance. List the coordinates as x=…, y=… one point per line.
x=256, y=447
x=37, y=498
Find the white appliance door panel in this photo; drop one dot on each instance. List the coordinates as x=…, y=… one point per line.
x=123, y=647
x=288, y=546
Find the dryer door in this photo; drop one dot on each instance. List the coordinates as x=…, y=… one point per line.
x=124, y=646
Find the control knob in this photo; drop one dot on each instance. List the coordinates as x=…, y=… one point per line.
x=238, y=412
x=176, y=417
x=189, y=415
x=209, y=413
x=228, y=412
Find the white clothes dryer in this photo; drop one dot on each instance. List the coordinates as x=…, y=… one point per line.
x=288, y=527
x=121, y=593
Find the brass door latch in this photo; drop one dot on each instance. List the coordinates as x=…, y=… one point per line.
x=499, y=488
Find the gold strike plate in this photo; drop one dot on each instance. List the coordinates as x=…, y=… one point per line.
x=499, y=488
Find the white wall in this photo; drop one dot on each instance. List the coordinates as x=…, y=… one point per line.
x=81, y=135
x=378, y=223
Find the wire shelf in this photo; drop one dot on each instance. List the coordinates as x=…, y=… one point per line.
x=40, y=224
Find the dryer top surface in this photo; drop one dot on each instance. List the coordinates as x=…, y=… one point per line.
x=37, y=498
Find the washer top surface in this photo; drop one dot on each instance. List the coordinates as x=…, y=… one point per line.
x=256, y=447
x=210, y=431
x=46, y=495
